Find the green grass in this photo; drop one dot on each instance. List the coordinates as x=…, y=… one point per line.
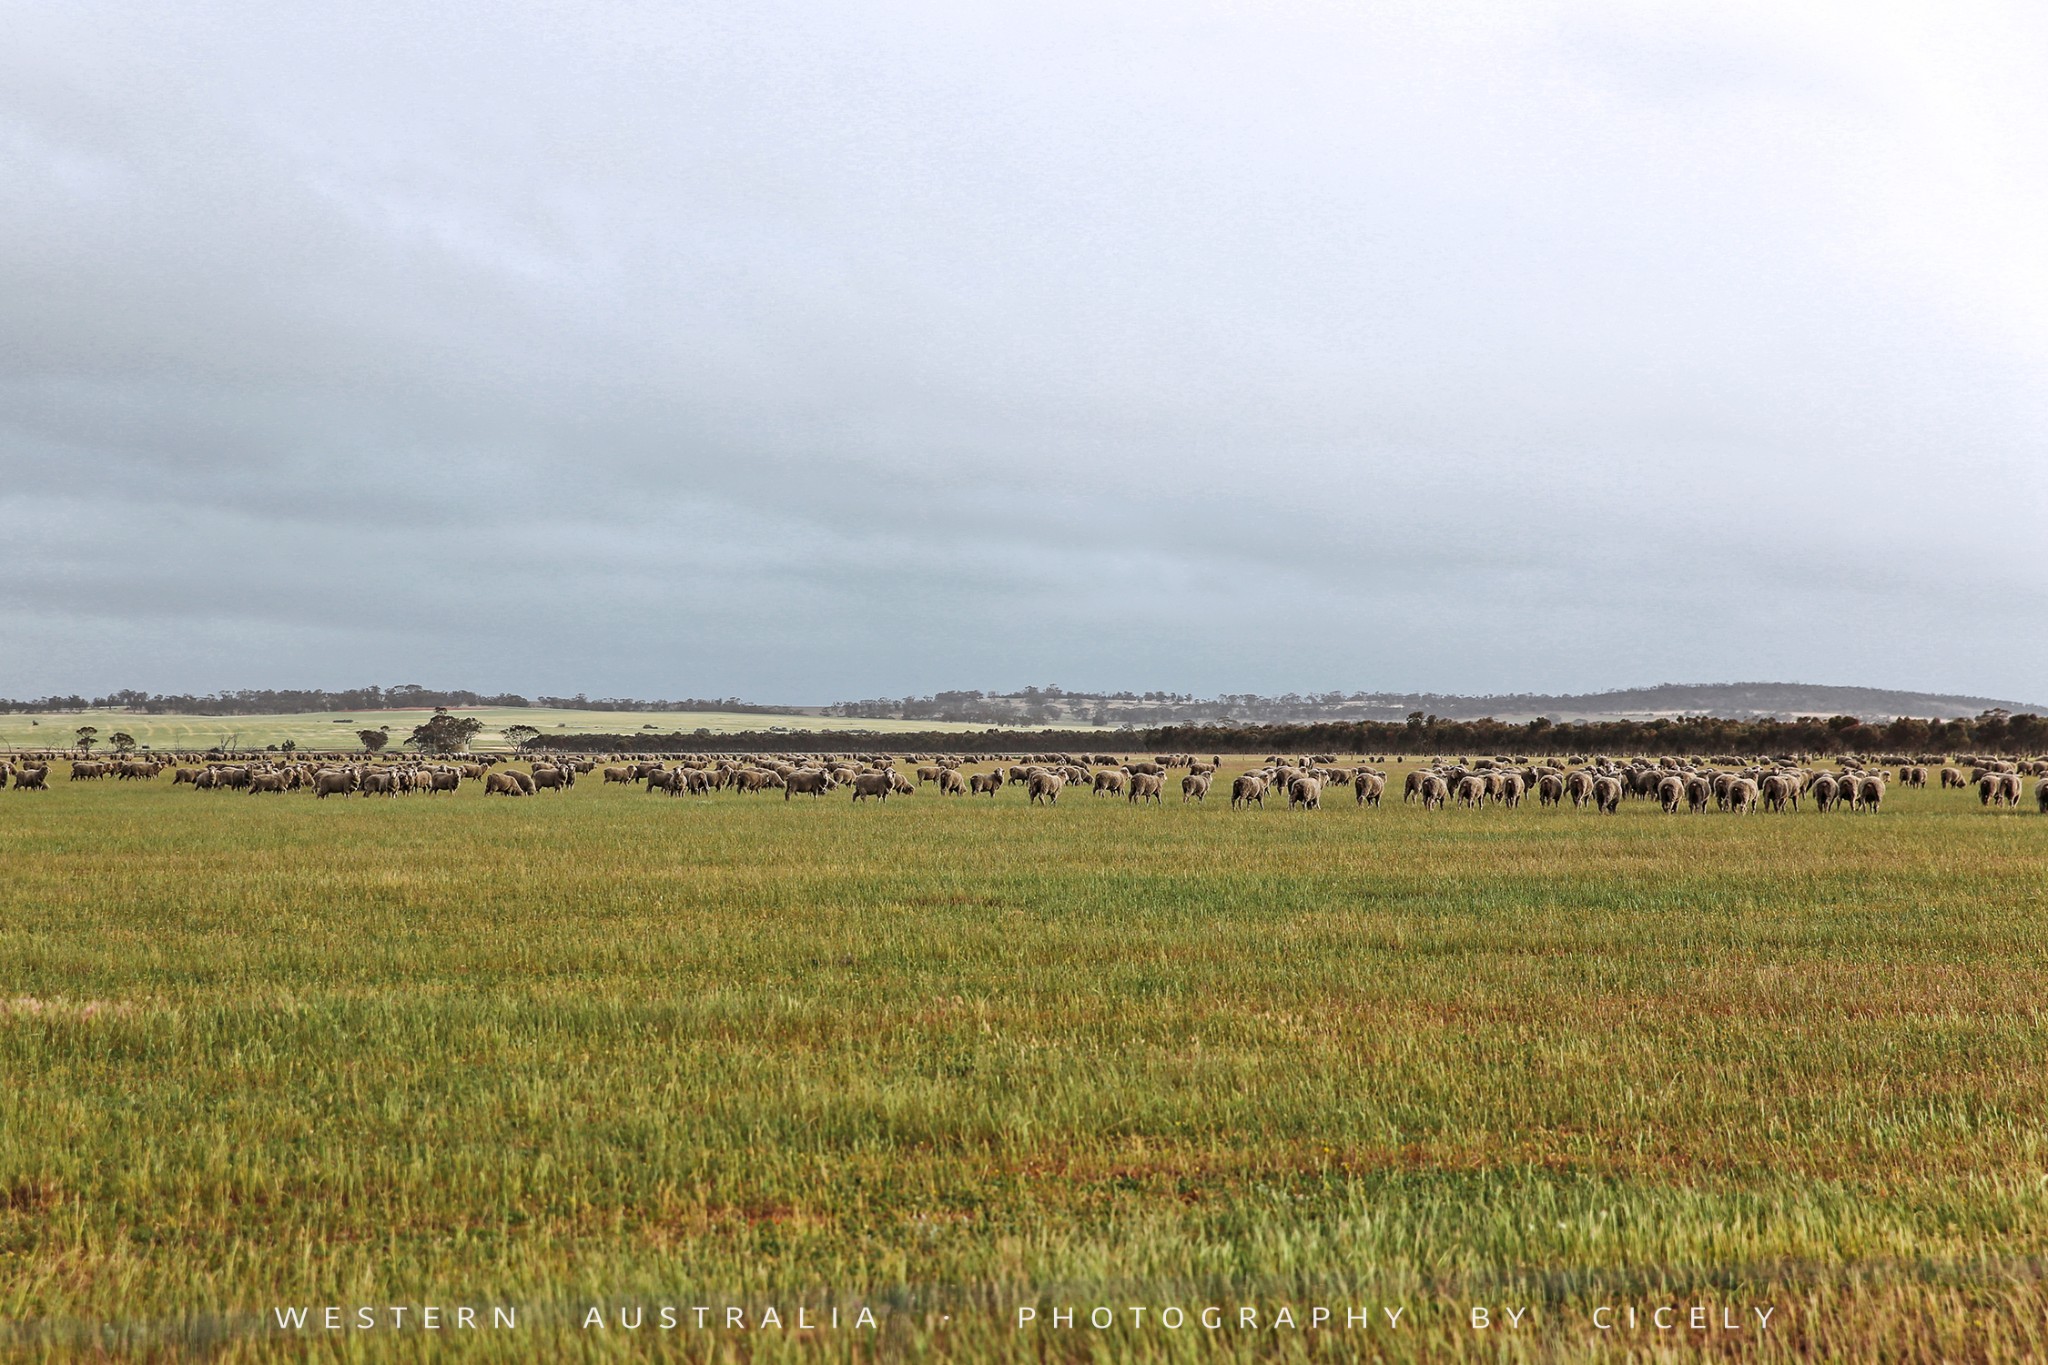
x=948, y=1058
x=317, y=730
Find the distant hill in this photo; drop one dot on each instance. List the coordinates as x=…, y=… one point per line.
x=1736, y=700
x=1739, y=701
x=1056, y=707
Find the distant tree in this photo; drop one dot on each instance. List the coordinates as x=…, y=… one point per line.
x=521, y=735
x=290, y=746
x=122, y=741
x=445, y=734
x=88, y=735
x=374, y=740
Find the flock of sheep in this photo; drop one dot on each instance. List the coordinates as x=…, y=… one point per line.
x=1600, y=784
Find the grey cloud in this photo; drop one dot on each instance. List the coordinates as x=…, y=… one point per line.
x=807, y=352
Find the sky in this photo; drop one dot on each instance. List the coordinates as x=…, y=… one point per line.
x=804, y=352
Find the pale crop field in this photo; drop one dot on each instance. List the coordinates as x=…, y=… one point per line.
x=948, y=1058
x=327, y=730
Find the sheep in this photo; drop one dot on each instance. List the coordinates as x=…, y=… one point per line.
x=1044, y=786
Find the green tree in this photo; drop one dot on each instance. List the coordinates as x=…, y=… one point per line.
x=445, y=734
x=290, y=746
x=374, y=740
x=521, y=735
x=88, y=735
x=122, y=741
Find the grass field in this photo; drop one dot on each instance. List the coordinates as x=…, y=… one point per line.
x=330, y=730
x=946, y=1059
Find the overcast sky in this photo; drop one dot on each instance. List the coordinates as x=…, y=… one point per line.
x=813, y=351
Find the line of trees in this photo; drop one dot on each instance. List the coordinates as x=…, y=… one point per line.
x=266, y=701
x=405, y=696
x=1420, y=733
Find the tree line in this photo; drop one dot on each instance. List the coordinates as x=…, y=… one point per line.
x=1991, y=732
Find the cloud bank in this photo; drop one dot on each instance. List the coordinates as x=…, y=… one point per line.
x=809, y=351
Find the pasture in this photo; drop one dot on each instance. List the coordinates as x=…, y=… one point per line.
x=946, y=1058
x=322, y=730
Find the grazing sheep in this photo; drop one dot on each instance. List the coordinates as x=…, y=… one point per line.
x=1195, y=785
x=1671, y=794
x=1109, y=782
x=877, y=785
x=1044, y=786
x=1369, y=786
x=1607, y=795
x=1147, y=787
x=1432, y=791
x=810, y=781
x=1247, y=790
x=1306, y=792
x=985, y=782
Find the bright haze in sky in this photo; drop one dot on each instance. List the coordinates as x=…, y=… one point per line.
x=804, y=352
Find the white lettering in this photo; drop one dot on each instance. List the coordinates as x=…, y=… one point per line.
x=1100, y=1317
x=668, y=1317
x=639, y=1316
x=1481, y=1319
x=866, y=1318
x=1060, y=1319
x=1698, y=1317
x=770, y=1318
x=736, y=1317
x=1212, y=1326
x=593, y=1318
x=1318, y=1315
x=1607, y=1326
x=505, y=1317
x=1285, y=1318
x=465, y=1316
x=292, y=1319
x=1172, y=1318
x=1658, y=1318
x=1394, y=1316
x=331, y=1318
x=1515, y=1315
x=1763, y=1318
x=1025, y=1315
x=430, y=1317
